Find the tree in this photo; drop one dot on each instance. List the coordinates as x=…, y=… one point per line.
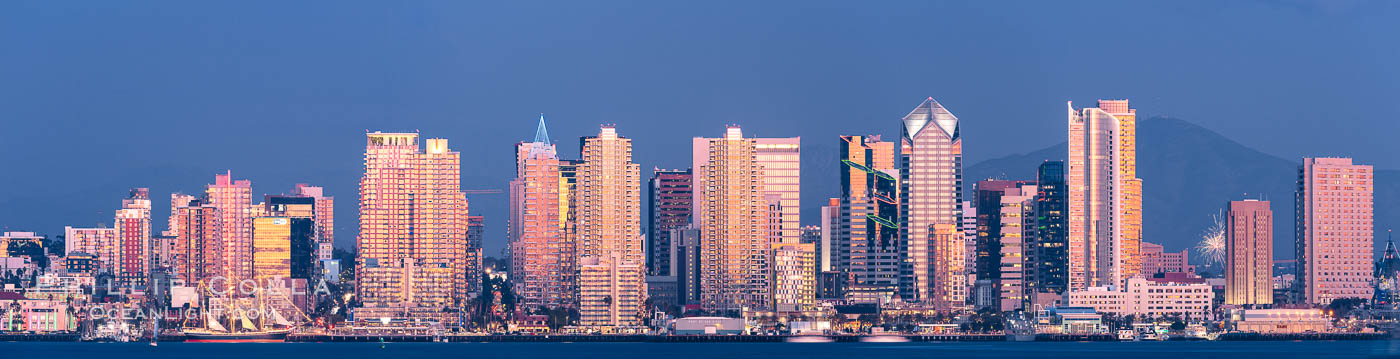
x=1340, y=307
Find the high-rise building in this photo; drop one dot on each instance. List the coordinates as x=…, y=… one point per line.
x=609, y=228
x=323, y=215
x=732, y=217
x=542, y=267
x=413, y=227
x=968, y=226
x=272, y=248
x=1156, y=260
x=476, y=232
x=670, y=193
x=866, y=236
x=99, y=242
x=781, y=160
x=133, y=225
x=1047, y=256
x=827, y=253
x=1004, y=225
x=794, y=276
x=1249, y=253
x=610, y=292
x=234, y=199
x=686, y=264
x=177, y=200
x=196, y=252
x=933, y=270
x=1335, y=243
x=305, y=215
x=1105, y=195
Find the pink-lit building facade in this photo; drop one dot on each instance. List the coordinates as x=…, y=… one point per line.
x=1334, y=230
x=234, y=201
x=1156, y=260
x=413, y=228
x=1249, y=253
x=1104, y=194
x=100, y=243
x=610, y=245
x=732, y=214
x=934, y=266
x=543, y=263
x=133, y=237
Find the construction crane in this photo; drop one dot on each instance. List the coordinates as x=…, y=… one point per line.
x=482, y=191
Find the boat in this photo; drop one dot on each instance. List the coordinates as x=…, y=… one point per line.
x=264, y=336
x=270, y=324
x=1020, y=328
x=808, y=339
x=1126, y=335
x=884, y=339
x=155, y=332
x=1150, y=336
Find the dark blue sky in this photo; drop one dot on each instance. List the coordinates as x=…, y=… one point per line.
x=99, y=96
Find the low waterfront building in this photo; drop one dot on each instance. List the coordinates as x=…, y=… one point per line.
x=1280, y=320
x=1069, y=320
x=36, y=315
x=709, y=325
x=1146, y=298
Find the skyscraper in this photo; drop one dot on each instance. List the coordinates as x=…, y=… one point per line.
x=1335, y=241
x=323, y=215
x=100, y=243
x=1105, y=195
x=305, y=213
x=1002, y=230
x=794, y=277
x=609, y=228
x=1249, y=253
x=133, y=225
x=177, y=200
x=671, y=194
x=542, y=264
x=197, y=251
x=781, y=160
x=476, y=232
x=933, y=269
x=1047, y=257
x=234, y=199
x=272, y=249
x=732, y=219
x=867, y=244
x=413, y=227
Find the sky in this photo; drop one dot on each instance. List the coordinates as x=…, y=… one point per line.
x=100, y=96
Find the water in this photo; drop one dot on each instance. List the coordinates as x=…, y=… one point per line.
x=1019, y=350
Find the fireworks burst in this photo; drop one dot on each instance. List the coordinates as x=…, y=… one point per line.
x=1212, y=245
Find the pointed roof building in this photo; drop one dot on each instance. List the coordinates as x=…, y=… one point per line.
x=930, y=111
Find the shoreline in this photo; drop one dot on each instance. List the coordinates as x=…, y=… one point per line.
x=640, y=338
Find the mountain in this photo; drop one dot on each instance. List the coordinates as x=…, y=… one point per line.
x=1189, y=173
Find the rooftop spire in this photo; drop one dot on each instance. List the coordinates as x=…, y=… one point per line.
x=541, y=134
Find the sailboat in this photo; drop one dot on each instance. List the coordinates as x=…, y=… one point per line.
x=240, y=328
x=155, y=333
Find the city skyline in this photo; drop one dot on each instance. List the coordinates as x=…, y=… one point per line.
x=903, y=171
x=326, y=118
